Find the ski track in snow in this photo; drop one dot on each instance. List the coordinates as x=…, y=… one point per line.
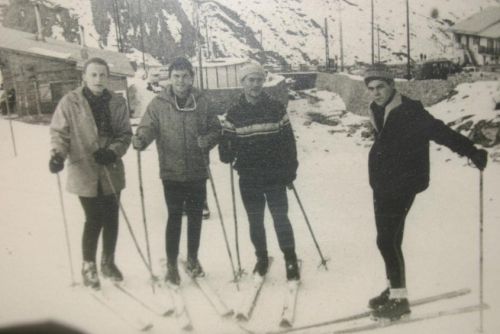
x=441, y=238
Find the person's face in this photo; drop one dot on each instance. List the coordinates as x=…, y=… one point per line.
x=96, y=78
x=252, y=85
x=182, y=82
x=380, y=91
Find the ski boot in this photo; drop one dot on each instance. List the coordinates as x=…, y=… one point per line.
x=172, y=276
x=261, y=266
x=379, y=300
x=292, y=270
x=89, y=275
x=110, y=270
x=194, y=268
x=393, y=309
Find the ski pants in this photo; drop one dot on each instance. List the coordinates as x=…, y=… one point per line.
x=101, y=213
x=390, y=216
x=191, y=195
x=254, y=196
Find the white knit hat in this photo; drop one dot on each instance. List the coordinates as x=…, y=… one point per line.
x=251, y=68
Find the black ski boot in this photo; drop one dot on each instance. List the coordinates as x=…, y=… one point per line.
x=194, y=268
x=89, y=275
x=292, y=270
x=379, y=300
x=172, y=274
x=261, y=266
x=393, y=309
x=110, y=270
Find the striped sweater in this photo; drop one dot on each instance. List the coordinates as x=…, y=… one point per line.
x=260, y=139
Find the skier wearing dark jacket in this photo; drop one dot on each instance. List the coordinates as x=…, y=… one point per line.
x=259, y=138
x=398, y=170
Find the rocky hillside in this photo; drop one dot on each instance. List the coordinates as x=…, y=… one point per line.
x=282, y=31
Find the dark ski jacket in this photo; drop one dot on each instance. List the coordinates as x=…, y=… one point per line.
x=399, y=158
x=260, y=138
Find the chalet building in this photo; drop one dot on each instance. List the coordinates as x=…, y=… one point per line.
x=41, y=70
x=479, y=37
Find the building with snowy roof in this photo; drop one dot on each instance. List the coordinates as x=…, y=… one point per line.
x=42, y=70
x=479, y=36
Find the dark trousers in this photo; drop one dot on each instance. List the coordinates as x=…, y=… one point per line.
x=101, y=213
x=178, y=195
x=390, y=216
x=254, y=196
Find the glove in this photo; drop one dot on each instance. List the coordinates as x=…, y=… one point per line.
x=290, y=186
x=104, y=156
x=480, y=158
x=56, y=163
x=138, y=143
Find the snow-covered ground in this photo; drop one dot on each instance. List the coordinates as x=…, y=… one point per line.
x=441, y=240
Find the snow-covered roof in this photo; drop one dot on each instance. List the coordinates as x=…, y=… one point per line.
x=219, y=62
x=21, y=41
x=479, y=24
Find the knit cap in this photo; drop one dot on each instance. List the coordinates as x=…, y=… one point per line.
x=378, y=72
x=251, y=68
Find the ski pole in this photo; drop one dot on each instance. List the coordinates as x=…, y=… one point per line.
x=323, y=260
x=65, y=223
x=219, y=211
x=146, y=234
x=481, y=251
x=11, y=127
x=235, y=216
x=129, y=226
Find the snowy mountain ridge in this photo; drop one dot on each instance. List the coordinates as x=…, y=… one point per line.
x=284, y=31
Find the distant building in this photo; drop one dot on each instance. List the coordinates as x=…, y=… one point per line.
x=41, y=70
x=479, y=37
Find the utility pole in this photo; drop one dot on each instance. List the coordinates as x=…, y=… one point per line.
x=373, y=37
x=341, y=39
x=198, y=40
x=142, y=38
x=207, y=38
x=327, y=47
x=378, y=43
x=408, y=37
x=260, y=35
x=117, y=27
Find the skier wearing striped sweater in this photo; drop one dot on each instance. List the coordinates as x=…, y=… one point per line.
x=259, y=139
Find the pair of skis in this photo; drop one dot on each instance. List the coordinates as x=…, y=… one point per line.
x=380, y=324
x=249, y=300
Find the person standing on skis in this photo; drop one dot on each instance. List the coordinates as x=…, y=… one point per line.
x=259, y=138
x=399, y=170
x=91, y=129
x=185, y=128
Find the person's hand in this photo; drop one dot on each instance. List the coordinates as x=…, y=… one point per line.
x=480, y=159
x=138, y=143
x=290, y=186
x=104, y=156
x=56, y=163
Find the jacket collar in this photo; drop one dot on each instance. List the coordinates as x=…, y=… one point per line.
x=167, y=94
x=395, y=102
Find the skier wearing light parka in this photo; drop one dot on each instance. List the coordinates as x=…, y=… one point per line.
x=399, y=170
x=90, y=129
x=185, y=128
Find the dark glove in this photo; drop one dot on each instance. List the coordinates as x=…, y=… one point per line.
x=480, y=158
x=56, y=163
x=104, y=156
x=138, y=143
